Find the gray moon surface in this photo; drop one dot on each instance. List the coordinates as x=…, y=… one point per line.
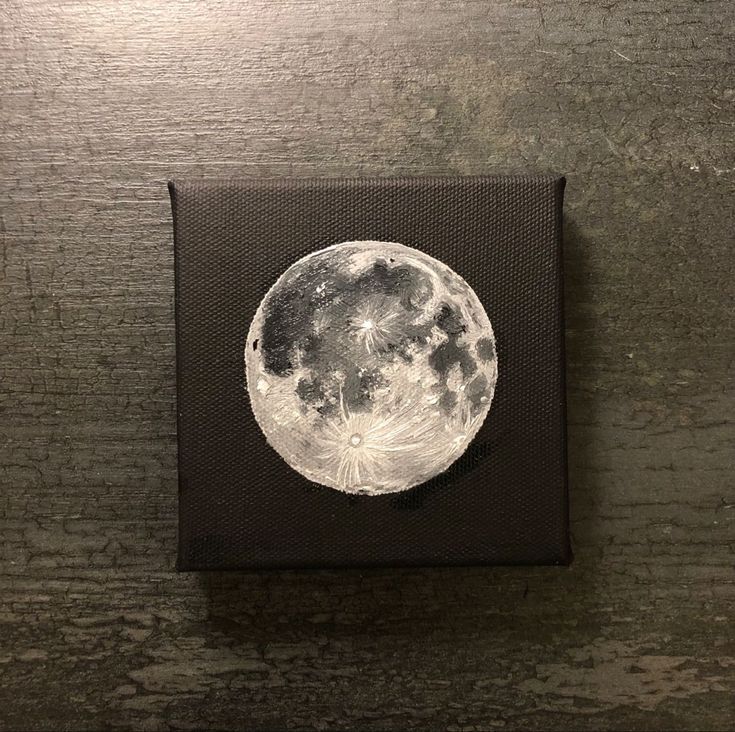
x=370, y=366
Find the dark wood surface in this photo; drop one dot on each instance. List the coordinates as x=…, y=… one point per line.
x=103, y=102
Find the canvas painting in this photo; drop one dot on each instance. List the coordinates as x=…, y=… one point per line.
x=370, y=372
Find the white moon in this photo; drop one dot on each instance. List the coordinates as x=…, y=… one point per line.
x=370, y=366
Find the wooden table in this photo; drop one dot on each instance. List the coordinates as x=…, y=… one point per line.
x=103, y=102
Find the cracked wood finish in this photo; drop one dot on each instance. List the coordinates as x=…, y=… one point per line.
x=101, y=103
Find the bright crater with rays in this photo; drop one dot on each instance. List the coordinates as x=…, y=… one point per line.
x=370, y=366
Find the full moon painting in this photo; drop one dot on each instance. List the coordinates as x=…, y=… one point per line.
x=370, y=367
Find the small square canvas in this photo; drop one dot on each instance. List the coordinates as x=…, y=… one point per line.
x=370, y=372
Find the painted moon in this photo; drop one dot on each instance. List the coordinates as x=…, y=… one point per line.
x=370, y=366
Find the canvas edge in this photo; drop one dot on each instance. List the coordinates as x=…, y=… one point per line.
x=559, y=185
x=181, y=564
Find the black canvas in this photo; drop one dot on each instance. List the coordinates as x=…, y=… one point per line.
x=504, y=501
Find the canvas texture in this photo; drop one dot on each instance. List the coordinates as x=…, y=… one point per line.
x=241, y=506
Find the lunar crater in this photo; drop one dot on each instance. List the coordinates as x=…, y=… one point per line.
x=370, y=366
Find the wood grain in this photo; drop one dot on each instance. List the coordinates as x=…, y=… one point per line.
x=102, y=103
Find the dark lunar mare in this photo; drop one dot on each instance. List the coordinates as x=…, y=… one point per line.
x=322, y=287
x=485, y=349
x=451, y=353
x=291, y=309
